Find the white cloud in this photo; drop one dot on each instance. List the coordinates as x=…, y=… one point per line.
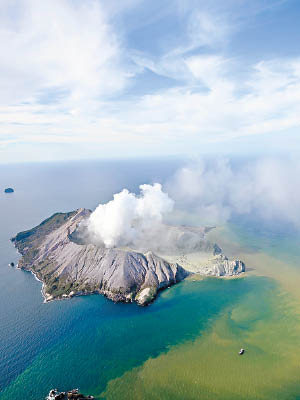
x=64, y=63
x=267, y=102
x=58, y=45
x=207, y=30
x=208, y=68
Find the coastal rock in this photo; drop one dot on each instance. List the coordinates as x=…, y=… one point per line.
x=221, y=266
x=67, y=268
x=146, y=295
x=55, y=394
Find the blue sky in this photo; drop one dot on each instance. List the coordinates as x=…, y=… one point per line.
x=142, y=78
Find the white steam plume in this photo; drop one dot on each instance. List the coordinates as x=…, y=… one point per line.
x=128, y=219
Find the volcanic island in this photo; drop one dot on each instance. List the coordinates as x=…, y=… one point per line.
x=69, y=267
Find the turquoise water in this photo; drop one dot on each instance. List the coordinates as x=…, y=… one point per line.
x=103, y=348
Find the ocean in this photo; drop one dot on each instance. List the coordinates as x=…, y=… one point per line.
x=183, y=346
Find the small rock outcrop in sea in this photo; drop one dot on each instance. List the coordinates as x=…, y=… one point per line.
x=55, y=394
x=69, y=267
x=8, y=190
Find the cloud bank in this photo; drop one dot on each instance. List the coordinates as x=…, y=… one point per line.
x=218, y=189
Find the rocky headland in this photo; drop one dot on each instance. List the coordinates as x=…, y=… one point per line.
x=68, y=267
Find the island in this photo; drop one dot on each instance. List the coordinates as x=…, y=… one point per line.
x=9, y=190
x=68, y=267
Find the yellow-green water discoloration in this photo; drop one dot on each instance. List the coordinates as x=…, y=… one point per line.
x=266, y=325
x=210, y=367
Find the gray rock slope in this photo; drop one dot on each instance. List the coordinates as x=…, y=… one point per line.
x=67, y=268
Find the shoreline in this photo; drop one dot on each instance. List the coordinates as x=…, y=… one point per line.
x=36, y=278
x=191, y=278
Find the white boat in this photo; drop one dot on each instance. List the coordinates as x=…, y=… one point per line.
x=242, y=351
